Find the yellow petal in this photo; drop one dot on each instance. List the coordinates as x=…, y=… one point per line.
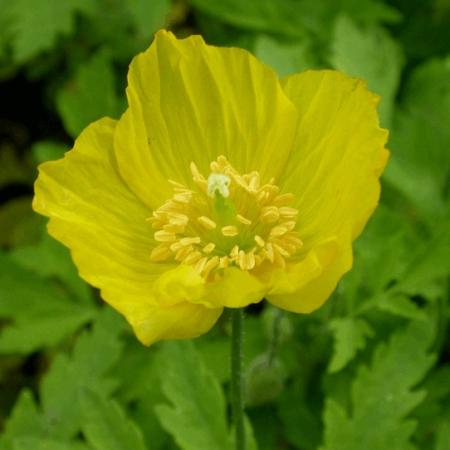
x=103, y=223
x=192, y=102
x=315, y=291
x=236, y=289
x=339, y=155
x=182, y=321
x=299, y=274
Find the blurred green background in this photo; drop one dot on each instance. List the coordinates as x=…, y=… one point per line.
x=369, y=371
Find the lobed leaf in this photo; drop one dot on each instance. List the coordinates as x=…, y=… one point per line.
x=196, y=415
x=383, y=396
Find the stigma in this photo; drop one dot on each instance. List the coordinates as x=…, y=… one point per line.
x=218, y=183
x=227, y=219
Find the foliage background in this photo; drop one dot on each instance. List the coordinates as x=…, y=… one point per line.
x=370, y=370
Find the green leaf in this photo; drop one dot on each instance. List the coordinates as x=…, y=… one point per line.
x=382, y=396
x=88, y=366
x=350, y=336
x=38, y=24
x=264, y=15
x=196, y=416
x=285, y=58
x=294, y=18
x=148, y=15
x=23, y=421
x=443, y=436
x=370, y=54
x=50, y=259
x=25, y=429
x=42, y=314
x=27, y=443
x=420, y=163
x=48, y=150
x=400, y=305
x=429, y=263
x=89, y=96
x=13, y=169
x=300, y=419
x=19, y=225
x=106, y=426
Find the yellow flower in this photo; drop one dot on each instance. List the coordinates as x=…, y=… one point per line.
x=219, y=186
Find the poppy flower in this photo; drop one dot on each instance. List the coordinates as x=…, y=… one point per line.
x=219, y=186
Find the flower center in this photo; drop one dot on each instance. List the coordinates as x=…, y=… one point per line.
x=226, y=220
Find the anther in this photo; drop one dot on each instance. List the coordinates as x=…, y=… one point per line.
x=269, y=252
x=283, y=199
x=190, y=240
x=173, y=228
x=196, y=175
x=160, y=253
x=290, y=225
x=230, y=231
x=183, y=197
x=178, y=219
x=277, y=231
x=234, y=252
x=288, y=212
x=242, y=260
x=269, y=214
x=281, y=250
x=243, y=220
x=192, y=258
x=223, y=262
x=206, y=222
x=210, y=265
x=208, y=248
x=164, y=236
x=183, y=252
x=259, y=240
x=251, y=260
x=200, y=265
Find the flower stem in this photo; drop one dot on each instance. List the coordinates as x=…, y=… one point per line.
x=237, y=322
x=273, y=347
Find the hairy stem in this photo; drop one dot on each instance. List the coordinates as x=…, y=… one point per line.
x=237, y=320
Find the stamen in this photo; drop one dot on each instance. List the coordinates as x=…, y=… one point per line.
x=200, y=265
x=243, y=220
x=190, y=240
x=183, y=252
x=196, y=175
x=164, y=236
x=184, y=227
x=283, y=199
x=286, y=211
x=183, y=197
x=178, y=219
x=160, y=253
x=279, y=230
x=230, y=231
x=270, y=214
x=243, y=260
x=210, y=265
x=223, y=263
x=259, y=240
x=234, y=252
x=209, y=248
x=280, y=250
x=173, y=228
x=269, y=252
x=206, y=222
x=251, y=261
x=192, y=258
